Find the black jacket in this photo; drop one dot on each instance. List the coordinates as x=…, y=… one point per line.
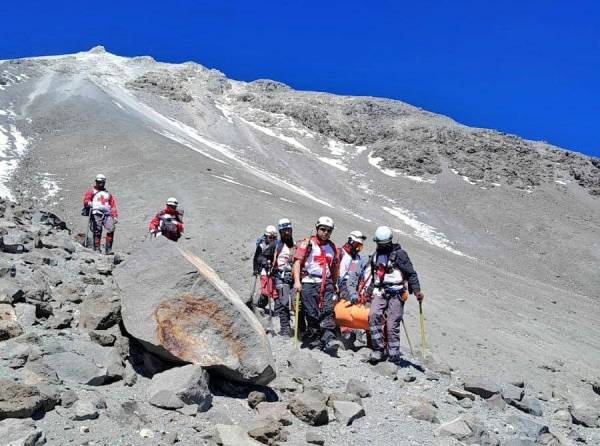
x=400, y=259
x=263, y=257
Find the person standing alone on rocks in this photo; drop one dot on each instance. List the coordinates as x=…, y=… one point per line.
x=168, y=222
x=315, y=273
x=391, y=268
x=101, y=207
x=282, y=274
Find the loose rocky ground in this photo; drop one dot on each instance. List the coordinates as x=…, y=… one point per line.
x=70, y=374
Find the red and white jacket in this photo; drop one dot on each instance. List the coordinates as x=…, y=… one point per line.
x=167, y=215
x=100, y=200
x=320, y=263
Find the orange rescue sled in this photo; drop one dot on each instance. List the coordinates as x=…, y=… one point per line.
x=351, y=316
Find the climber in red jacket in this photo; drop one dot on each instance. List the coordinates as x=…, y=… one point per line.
x=168, y=222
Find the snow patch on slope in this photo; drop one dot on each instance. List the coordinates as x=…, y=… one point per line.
x=423, y=230
x=49, y=184
x=333, y=162
x=183, y=134
x=375, y=161
x=13, y=146
x=187, y=144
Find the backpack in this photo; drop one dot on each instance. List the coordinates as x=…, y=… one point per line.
x=391, y=261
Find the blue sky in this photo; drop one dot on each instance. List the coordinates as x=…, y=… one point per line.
x=531, y=68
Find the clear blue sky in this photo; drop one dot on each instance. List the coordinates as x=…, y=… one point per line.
x=526, y=67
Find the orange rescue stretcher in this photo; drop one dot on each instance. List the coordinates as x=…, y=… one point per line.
x=351, y=315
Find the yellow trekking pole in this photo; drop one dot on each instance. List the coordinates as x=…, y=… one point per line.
x=296, y=317
x=412, y=352
x=422, y=324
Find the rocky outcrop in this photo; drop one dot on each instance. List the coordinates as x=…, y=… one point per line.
x=166, y=308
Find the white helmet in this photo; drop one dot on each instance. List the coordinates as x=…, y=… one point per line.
x=100, y=178
x=172, y=201
x=284, y=223
x=357, y=236
x=383, y=235
x=325, y=221
x=271, y=230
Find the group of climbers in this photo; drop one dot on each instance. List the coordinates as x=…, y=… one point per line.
x=313, y=268
x=101, y=208
x=322, y=274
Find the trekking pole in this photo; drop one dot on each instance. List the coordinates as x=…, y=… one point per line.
x=86, y=242
x=412, y=352
x=422, y=326
x=253, y=290
x=271, y=310
x=296, y=318
x=87, y=231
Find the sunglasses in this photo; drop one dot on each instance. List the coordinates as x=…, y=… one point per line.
x=325, y=229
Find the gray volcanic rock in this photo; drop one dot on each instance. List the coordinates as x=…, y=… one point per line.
x=21, y=433
x=162, y=83
x=528, y=404
x=9, y=326
x=21, y=401
x=266, y=430
x=303, y=364
x=310, y=407
x=180, y=385
x=228, y=435
x=482, y=386
x=100, y=311
x=77, y=359
x=10, y=292
x=346, y=412
x=358, y=388
x=276, y=410
x=164, y=309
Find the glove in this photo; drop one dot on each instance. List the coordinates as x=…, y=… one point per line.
x=419, y=295
x=353, y=299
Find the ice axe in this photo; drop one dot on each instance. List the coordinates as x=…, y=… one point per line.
x=422, y=327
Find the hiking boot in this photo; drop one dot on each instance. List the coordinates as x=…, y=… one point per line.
x=332, y=345
x=395, y=359
x=376, y=356
x=316, y=344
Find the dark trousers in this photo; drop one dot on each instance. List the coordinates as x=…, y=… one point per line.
x=320, y=321
x=282, y=304
x=392, y=306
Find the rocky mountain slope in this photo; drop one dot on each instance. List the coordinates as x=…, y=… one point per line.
x=504, y=233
